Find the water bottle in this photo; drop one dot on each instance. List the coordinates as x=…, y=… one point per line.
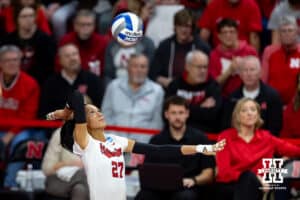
x=29, y=186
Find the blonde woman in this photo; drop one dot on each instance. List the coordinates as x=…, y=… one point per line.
x=247, y=146
x=102, y=154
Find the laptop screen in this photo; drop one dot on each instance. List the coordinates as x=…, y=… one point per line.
x=164, y=177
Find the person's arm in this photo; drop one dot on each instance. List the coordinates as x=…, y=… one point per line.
x=208, y=110
x=225, y=171
x=275, y=114
x=76, y=103
x=173, y=150
x=285, y=148
x=235, y=64
x=275, y=37
x=157, y=121
x=205, y=177
x=205, y=34
x=254, y=40
x=107, y=104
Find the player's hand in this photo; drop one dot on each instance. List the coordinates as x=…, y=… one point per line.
x=188, y=182
x=62, y=114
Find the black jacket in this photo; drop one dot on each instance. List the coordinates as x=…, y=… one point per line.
x=56, y=88
x=164, y=58
x=39, y=53
x=192, y=164
x=271, y=108
x=205, y=119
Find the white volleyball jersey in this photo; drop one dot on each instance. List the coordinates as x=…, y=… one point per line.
x=105, y=167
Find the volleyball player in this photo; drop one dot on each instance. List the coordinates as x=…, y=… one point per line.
x=102, y=154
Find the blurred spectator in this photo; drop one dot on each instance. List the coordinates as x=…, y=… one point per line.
x=284, y=62
x=266, y=8
x=65, y=176
x=63, y=11
x=84, y=37
x=249, y=24
x=195, y=6
x=202, y=92
x=72, y=77
x=116, y=57
x=135, y=101
x=291, y=116
x=226, y=57
x=38, y=48
x=19, y=100
x=10, y=15
x=168, y=62
x=246, y=147
x=198, y=169
x=286, y=7
x=264, y=95
x=162, y=20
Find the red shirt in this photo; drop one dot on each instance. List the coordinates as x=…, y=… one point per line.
x=266, y=6
x=283, y=70
x=291, y=125
x=239, y=156
x=10, y=26
x=20, y=100
x=218, y=55
x=246, y=13
x=92, y=51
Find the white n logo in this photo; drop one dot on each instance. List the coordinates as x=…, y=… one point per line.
x=295, y=63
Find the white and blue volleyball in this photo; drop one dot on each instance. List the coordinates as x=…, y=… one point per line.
x=127, y=28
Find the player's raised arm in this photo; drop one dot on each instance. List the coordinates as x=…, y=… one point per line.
x=76, y=103
x=150, y=149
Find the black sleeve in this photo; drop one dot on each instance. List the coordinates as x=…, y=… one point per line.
x=198, y=113
x=76, y=102
x=157, y=150
x=158, y=65
x=275, y=114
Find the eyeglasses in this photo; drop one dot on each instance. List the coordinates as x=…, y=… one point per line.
x=199, y=66
x=9, y=60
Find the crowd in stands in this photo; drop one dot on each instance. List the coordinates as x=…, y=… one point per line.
x=203, y=56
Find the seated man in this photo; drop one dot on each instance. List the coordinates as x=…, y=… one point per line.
x=65, y=176
x=19, y=100
x=135, y=101
x=198, y=169
x=71, y=77
x=202, y=92
x=264, y=95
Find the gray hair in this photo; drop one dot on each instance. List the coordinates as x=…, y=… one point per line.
x=61, y=48
x=85, y=13
x=288, y=20
x=136, y=55
x=9, y=48
x=254, y=59
x=191, y=54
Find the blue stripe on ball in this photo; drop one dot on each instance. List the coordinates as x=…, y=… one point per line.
x=128, y=22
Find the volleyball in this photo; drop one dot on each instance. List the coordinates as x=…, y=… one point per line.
x=127, y=28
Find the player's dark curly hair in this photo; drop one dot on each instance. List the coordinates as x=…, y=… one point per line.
x=66, y=135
